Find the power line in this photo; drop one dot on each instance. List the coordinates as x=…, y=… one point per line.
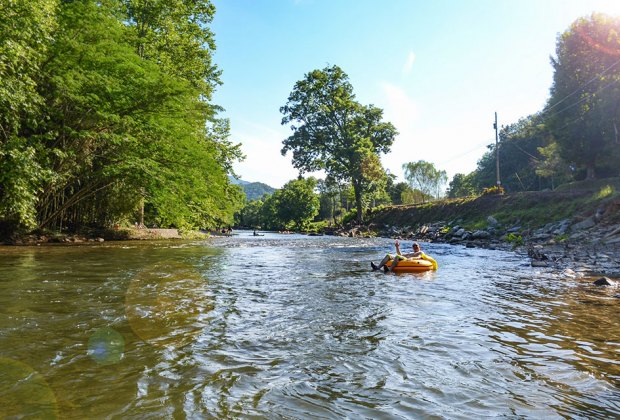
x=584, y=85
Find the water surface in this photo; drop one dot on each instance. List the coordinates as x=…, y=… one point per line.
x=289, y=326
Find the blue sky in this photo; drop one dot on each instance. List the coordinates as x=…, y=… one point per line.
x=438, y=68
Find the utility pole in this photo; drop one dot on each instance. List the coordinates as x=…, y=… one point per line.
x=498, y=183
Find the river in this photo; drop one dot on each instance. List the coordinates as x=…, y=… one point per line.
x=291, y=326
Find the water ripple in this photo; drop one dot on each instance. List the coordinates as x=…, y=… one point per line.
x=288, y=326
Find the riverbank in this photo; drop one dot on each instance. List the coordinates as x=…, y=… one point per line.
x=576, y=227
x=102, y=235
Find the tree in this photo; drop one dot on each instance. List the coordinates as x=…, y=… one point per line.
x=97, y=114
x=461, y=186
x=26, y=28
x=518, y=155
x=329, y=198
x=333, y=132
x=583, y=111
x=297, y=202
x=423, y=176
x=251, y=214
x=551, y=165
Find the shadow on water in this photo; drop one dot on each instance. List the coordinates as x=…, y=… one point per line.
x=298, y=327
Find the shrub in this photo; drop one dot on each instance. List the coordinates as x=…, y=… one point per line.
x=495, y=190
x=515, y=240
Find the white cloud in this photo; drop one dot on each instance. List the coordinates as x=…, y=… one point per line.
x=261, y=145
x=400, y=109
x=408, y=66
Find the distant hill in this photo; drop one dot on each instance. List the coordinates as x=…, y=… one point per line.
x=253, y=190
x=236, y=181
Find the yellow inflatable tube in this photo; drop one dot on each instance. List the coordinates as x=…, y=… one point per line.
x=414, y=265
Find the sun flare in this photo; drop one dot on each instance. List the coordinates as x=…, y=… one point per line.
x=609, y=7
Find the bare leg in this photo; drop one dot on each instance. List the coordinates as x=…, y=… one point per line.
x=387, y=258
x=382, y=263
x=395, y=262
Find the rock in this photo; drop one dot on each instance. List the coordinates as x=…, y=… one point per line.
x=605, y=281
x=569, y=273
x=562, y=227
x=585, y=224
x=599, y=214
x=536, y=263
x=492, y=221
x=99, y=239
x=481, y=234
x=460, y=232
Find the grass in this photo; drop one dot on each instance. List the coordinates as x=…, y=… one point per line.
x=526, y=209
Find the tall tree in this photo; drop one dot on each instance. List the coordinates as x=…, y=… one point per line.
x=461, y=186
x=583, y=110
x=91, y=121
x=519, y=156
x=423, y=176
x=297, y=202
x=333, y=132
x=26, y=28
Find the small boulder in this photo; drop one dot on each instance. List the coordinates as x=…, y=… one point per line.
x=585, y=224
x=536, y=263
x=605, y=281
x=481, y=234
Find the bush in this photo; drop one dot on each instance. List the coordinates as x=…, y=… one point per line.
x=495, y=190
x=515, y=240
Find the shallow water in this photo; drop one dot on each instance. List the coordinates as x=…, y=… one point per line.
x=289, y=326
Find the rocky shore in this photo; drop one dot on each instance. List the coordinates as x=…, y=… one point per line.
x=96, y=236
x=578, y=247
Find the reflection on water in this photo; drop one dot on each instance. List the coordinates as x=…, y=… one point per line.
x=298, y=327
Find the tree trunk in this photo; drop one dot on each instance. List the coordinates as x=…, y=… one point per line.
x=358, y=202
x=590, y=174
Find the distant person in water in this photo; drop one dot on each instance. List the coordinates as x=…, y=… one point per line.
x=415, y=254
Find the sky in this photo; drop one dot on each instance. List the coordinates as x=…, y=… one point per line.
x=439, y=69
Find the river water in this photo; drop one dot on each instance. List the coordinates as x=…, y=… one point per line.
x=290, y=326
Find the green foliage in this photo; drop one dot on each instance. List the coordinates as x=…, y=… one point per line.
x=25, y=33
x=583, y=111
x=494, y=190
x=410, y=196
x=112, y=112
x=516, y=240
x=424, y=177
x=461, y=186
x=251, y=215
x=297, y=202
x=519, y=156
x=333, y=132
x=396, y=191
x=606, y=191
x=349, y=216
x=256, y=190
x=551, y=166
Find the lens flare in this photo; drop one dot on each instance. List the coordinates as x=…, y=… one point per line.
x=24, y=393
x=106, y=346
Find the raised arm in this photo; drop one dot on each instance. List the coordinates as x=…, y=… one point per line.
x=397, y=245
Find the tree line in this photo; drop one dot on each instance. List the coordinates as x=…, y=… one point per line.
x=576, y=136
x=106, y=116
